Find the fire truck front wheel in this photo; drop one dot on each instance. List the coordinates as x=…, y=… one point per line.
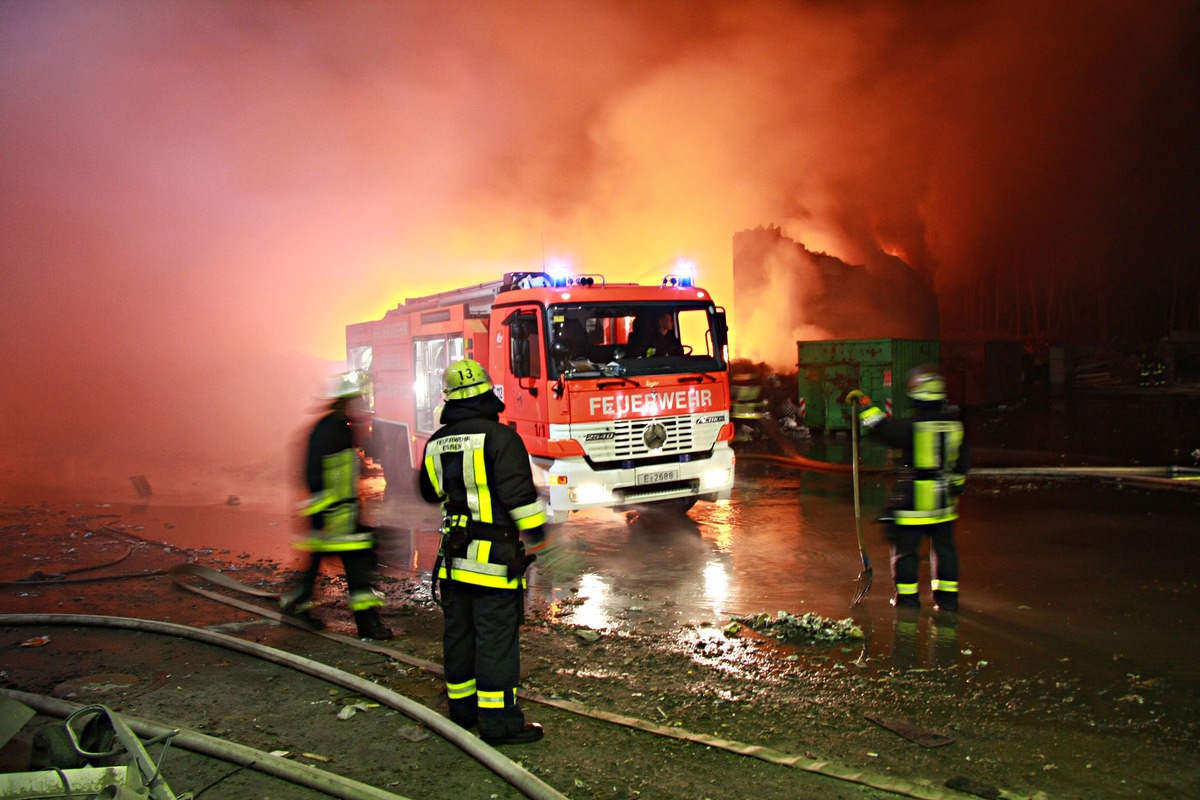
x=684, y=504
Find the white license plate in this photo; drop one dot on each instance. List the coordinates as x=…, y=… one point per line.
x=658, y=476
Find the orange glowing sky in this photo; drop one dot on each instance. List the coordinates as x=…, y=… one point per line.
x=199, y=196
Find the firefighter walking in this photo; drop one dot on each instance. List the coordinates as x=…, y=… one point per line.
x=925, y=502
x=331, y=472
x=478, y=470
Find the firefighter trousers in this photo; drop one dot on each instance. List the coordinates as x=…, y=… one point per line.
x=481, y=654
x=906, y=562
x=358, y=567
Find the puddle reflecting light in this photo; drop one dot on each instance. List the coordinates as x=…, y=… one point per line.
x=716, y=583
x=593, y=612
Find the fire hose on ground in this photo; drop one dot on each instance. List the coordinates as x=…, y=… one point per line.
x=305, y=775
x=1157, y=477
x=528, y=784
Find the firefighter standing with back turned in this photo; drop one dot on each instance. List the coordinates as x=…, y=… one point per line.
x=478, y=469
x=331, y=472
x=925, y=502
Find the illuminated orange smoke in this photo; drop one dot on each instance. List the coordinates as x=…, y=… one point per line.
x=199, y=196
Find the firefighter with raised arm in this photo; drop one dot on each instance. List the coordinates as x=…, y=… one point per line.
x=925, y=502
x=478, y=470
x=331, y=472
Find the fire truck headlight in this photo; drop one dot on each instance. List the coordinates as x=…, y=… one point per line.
x=590, y=493
x=714, y=479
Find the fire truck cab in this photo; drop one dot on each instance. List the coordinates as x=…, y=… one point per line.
x=620, y=391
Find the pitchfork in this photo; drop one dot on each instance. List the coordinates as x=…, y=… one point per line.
x=864, y=577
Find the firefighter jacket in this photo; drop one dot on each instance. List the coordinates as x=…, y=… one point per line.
x=935, y=458
x=331, y=470
x=478, y=469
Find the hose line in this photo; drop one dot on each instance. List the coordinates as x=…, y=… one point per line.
x=232, y=752
x=518, y=777
x=1168, y=477
x=526, y=783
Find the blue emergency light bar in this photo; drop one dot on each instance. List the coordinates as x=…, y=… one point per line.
x=680, y=281
x=684, y=276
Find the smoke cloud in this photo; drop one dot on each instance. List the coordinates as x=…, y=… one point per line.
x=198, y=197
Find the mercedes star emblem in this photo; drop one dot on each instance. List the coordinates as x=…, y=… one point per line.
x=655, y=436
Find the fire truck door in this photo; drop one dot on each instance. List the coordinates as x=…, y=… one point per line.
x=523, y=360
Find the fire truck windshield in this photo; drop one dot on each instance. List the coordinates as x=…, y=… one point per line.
x=643, y=337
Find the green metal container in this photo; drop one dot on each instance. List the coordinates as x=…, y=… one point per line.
x=831, y=368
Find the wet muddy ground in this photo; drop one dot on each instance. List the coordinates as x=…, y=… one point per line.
x=1070, y=671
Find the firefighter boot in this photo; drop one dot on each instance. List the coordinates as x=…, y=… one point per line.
x=370, y=626
x=945, y=601
x=300, y=613
x=529, y=733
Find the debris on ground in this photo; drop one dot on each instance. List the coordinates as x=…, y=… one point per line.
x=788, y=627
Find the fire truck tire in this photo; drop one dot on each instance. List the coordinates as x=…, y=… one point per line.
x=684, y=504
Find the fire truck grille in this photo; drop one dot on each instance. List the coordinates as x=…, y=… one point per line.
x=639, y=438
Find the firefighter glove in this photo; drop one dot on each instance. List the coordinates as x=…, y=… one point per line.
x=857, y=395
x=556, y=562
x=534, y=538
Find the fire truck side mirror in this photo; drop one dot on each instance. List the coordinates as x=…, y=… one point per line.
x=529, y=385
x=721, y=328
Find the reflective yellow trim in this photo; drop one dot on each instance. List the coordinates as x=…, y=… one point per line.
x=906, y=588
x=925, y=454
x=529, y=516
x=871, y=416
x=944, y=586
x=480, y=579
x=925, y=495
x=318, y=502
x=433, y=468
x=470, y=445
x=936, y=443
x=363, y=599
x=479, y=473
x=491, y=699
x=903, y=517
x=316, y=544
x=460, y=691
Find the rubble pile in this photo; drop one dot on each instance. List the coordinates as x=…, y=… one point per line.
x=788, y=627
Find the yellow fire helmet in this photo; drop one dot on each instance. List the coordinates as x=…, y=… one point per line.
x=465, y=378
x=926, y=385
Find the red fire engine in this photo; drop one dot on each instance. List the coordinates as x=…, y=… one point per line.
x=620, y=391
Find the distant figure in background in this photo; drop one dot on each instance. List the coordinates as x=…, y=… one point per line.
x=925, y=500
x=331, y=471
x=1165, y=353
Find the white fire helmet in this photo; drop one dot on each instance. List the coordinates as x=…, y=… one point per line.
x=346, y=384
x=926, y=385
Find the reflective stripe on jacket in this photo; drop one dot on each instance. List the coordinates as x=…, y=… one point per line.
x=479, y=471
x=332, y=471
x=933, y=449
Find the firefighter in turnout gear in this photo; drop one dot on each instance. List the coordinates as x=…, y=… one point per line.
x=478, y=470
x=331, y=471
x=925, y=503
